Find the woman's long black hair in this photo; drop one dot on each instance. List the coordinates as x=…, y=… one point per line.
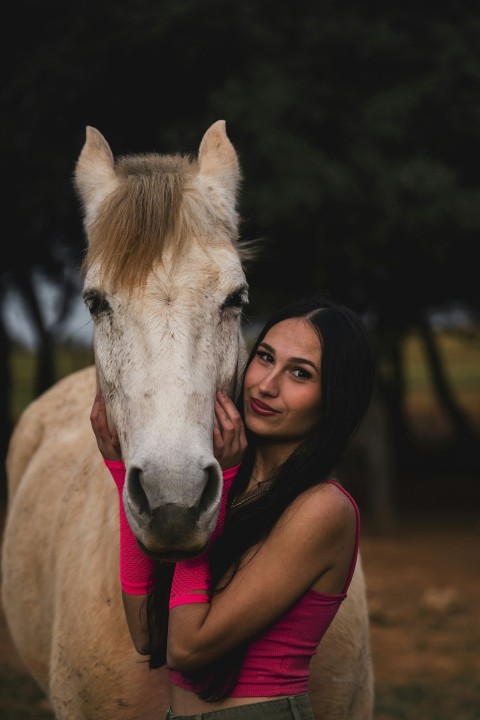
x=347, y=371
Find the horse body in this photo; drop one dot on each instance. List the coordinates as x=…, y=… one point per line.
x=60, y=584
x=167, y=313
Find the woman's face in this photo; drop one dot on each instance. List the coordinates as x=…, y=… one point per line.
x=282, y=387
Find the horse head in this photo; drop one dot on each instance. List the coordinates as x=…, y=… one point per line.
x=165, y=288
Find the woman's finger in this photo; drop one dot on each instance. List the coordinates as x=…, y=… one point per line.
x=107, y=440
x=229, y=440
x=223, y=418
x=227, y=405
x=116, y=442
x=218, y=444
x=100, y=417
x=95, y=413
x=243, y=438
x=217, y=439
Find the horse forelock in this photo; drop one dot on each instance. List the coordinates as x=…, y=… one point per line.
x=158, y=205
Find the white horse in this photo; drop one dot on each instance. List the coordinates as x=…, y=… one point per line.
x=165, y=287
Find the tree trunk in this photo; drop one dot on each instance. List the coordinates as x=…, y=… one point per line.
x=45, y=371
x=376, y=440
x=5, y=405
x=461, y=424
x=391, y=386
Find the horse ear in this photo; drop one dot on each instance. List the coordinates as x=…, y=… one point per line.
x=94, y=173
x=218, y=161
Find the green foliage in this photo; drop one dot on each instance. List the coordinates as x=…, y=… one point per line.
x=357, y=127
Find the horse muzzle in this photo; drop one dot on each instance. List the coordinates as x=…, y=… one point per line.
x=171, y=527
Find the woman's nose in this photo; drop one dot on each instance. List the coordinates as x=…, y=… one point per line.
x=269, y=385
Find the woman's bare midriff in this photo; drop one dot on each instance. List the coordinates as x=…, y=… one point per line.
x=185, y=702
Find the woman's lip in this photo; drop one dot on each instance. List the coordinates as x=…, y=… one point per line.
x=261, y=408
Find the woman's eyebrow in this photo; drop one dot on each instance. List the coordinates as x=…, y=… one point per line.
x=303, y=361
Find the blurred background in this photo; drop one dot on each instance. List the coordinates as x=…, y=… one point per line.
x=357, y=126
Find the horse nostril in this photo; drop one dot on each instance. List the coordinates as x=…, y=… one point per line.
x=210, y=491
x=137, y=493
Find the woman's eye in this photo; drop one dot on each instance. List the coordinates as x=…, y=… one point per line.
x=266, y=357
x=301, y=373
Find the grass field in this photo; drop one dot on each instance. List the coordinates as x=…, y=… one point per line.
x=68, y=360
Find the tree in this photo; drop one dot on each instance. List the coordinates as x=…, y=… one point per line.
x=356, y=127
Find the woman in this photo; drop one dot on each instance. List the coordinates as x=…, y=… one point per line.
x=246, y=616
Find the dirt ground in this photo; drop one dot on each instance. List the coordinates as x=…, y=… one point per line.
x=424, y=594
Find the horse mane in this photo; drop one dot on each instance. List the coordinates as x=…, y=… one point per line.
x=157, y=205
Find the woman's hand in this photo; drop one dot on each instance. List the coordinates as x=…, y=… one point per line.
x=107, y=440
x=229, y=441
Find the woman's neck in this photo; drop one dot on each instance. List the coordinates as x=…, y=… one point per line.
x=268, y=457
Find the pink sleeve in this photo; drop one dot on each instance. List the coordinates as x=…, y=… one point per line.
x=191, y=575
x=136, y=568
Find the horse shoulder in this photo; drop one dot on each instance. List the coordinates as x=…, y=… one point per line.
x=51, y=413
x=341, y=672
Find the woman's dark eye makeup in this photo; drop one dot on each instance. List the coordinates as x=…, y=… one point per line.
x=264, y=355
x=303, y=374
x=299, y=372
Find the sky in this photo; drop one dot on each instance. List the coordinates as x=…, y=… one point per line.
x=78, y=329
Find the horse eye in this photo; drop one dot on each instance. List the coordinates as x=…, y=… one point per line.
x=97, y=304
x=236, y=299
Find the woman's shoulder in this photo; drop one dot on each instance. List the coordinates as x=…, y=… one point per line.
x=326, y=497
x=323, y=510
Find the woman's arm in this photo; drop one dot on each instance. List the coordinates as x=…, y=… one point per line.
x=312, y=543
x=136, y=569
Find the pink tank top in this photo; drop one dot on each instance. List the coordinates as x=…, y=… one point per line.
x=277, y=661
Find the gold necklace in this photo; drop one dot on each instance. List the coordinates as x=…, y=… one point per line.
x=235, y=504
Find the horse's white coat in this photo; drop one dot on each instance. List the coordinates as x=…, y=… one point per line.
x=160, y=359
x=160, y=355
